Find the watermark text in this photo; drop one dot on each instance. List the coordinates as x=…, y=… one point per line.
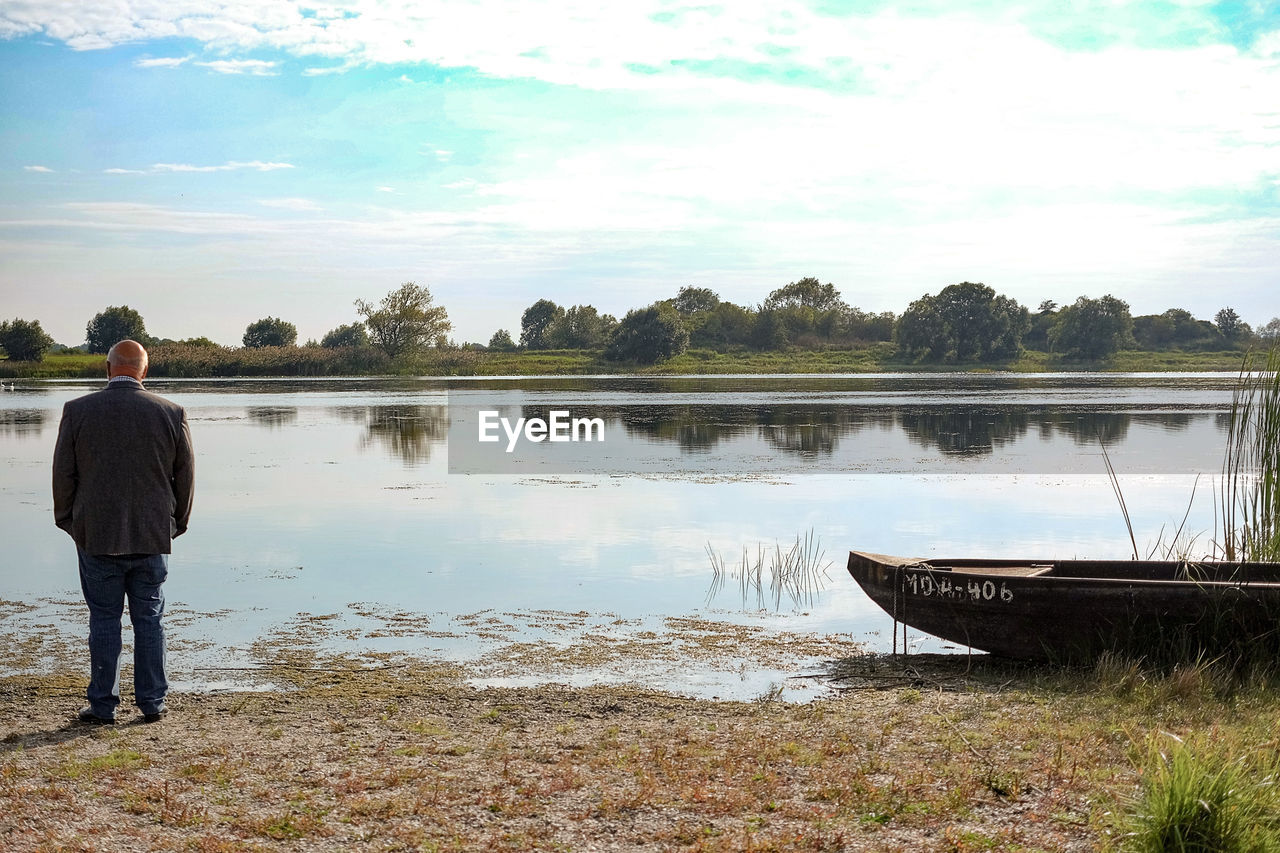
x=558, y=426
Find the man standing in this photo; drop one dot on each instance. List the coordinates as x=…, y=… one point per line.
x=123, y=474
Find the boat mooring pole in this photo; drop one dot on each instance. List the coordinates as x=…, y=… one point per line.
x=896, y=582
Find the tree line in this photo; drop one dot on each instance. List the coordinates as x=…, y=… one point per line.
x=963, y=323
x=405, y=320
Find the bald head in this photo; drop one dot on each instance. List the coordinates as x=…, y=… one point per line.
x=127, y=358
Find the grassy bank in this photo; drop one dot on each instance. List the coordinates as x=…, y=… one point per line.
x=195, y=362
x=921, y=754
x=55, y=366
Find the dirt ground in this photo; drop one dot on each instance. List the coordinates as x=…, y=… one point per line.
x=913, y=754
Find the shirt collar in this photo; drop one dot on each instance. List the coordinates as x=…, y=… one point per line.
x=123, y=378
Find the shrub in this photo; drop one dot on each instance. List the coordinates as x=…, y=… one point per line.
x=24, y=340
x=351, y=335
x=649, y=335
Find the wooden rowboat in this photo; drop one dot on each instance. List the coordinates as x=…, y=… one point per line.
x=1073, y=610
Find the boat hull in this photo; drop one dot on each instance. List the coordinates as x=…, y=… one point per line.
x=1072, y=611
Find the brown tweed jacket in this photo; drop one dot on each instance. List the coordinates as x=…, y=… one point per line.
x=123, y=471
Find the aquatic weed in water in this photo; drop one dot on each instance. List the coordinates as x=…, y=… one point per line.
x=799, y=573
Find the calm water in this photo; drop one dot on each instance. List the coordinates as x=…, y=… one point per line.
x=333, y=499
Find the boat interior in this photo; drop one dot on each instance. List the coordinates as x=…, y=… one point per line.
x=1152, y=570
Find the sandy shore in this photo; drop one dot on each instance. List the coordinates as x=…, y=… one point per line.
x=917, y=754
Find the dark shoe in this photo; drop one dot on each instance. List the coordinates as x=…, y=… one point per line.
x=89, y=718
x=156, y=716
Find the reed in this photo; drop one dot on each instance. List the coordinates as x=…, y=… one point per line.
x=1119, y=493
x=188, y=361
x=1249, y=493
x=798, y=573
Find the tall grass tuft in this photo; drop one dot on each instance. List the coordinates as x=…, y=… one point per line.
x=799, y=573
x=1249, y=497
x=1203, y=803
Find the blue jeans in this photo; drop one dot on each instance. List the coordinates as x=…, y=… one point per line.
x=107, y=581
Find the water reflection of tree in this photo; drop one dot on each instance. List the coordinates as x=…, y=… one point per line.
x=804, y=439
x=24, y=423
x=1171, y=421
x=1086, y=428
x=818, y=430
x=272, y=416
x=409, y=432
x=696, y=429
x=967, y=432
x=802, y=430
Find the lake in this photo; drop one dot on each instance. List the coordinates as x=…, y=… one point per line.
x=357, y=515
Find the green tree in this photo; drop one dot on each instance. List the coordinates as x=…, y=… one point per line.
x=1037, y=337
x=1176, y=328
x=405, y=321
x=1092, y=328
x=114, y=324
x=802, y=312
x=270, y=332
x=580, y=327
x=963, y=322
x=536, y=323
x=1270, y=330
x=806, y=293
x=349, y=335
x=1231, y=327
x=201, y=341
x=857, y=325
x=769, y=332
x=921, y=331
x=695, y=300
x=649, y=335
x=24, y=340
x=502, y=342
x=726, y=325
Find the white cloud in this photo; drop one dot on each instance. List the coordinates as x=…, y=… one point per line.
x=916, y=106
x=299, y=204
x=1268, y=44
x=1152, y=259
x=133, y=216
x=164, y=61
x=321, y=71
x=231, y=166
x=251, y=67
x=37, y=169
x=562, y=41
x=889, y=146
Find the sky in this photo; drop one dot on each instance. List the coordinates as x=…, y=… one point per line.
x=211, y=163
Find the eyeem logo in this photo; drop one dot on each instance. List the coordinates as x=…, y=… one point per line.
x=559, y=426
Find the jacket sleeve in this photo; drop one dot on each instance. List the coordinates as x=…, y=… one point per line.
x=65, y=476
x=184, y=479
